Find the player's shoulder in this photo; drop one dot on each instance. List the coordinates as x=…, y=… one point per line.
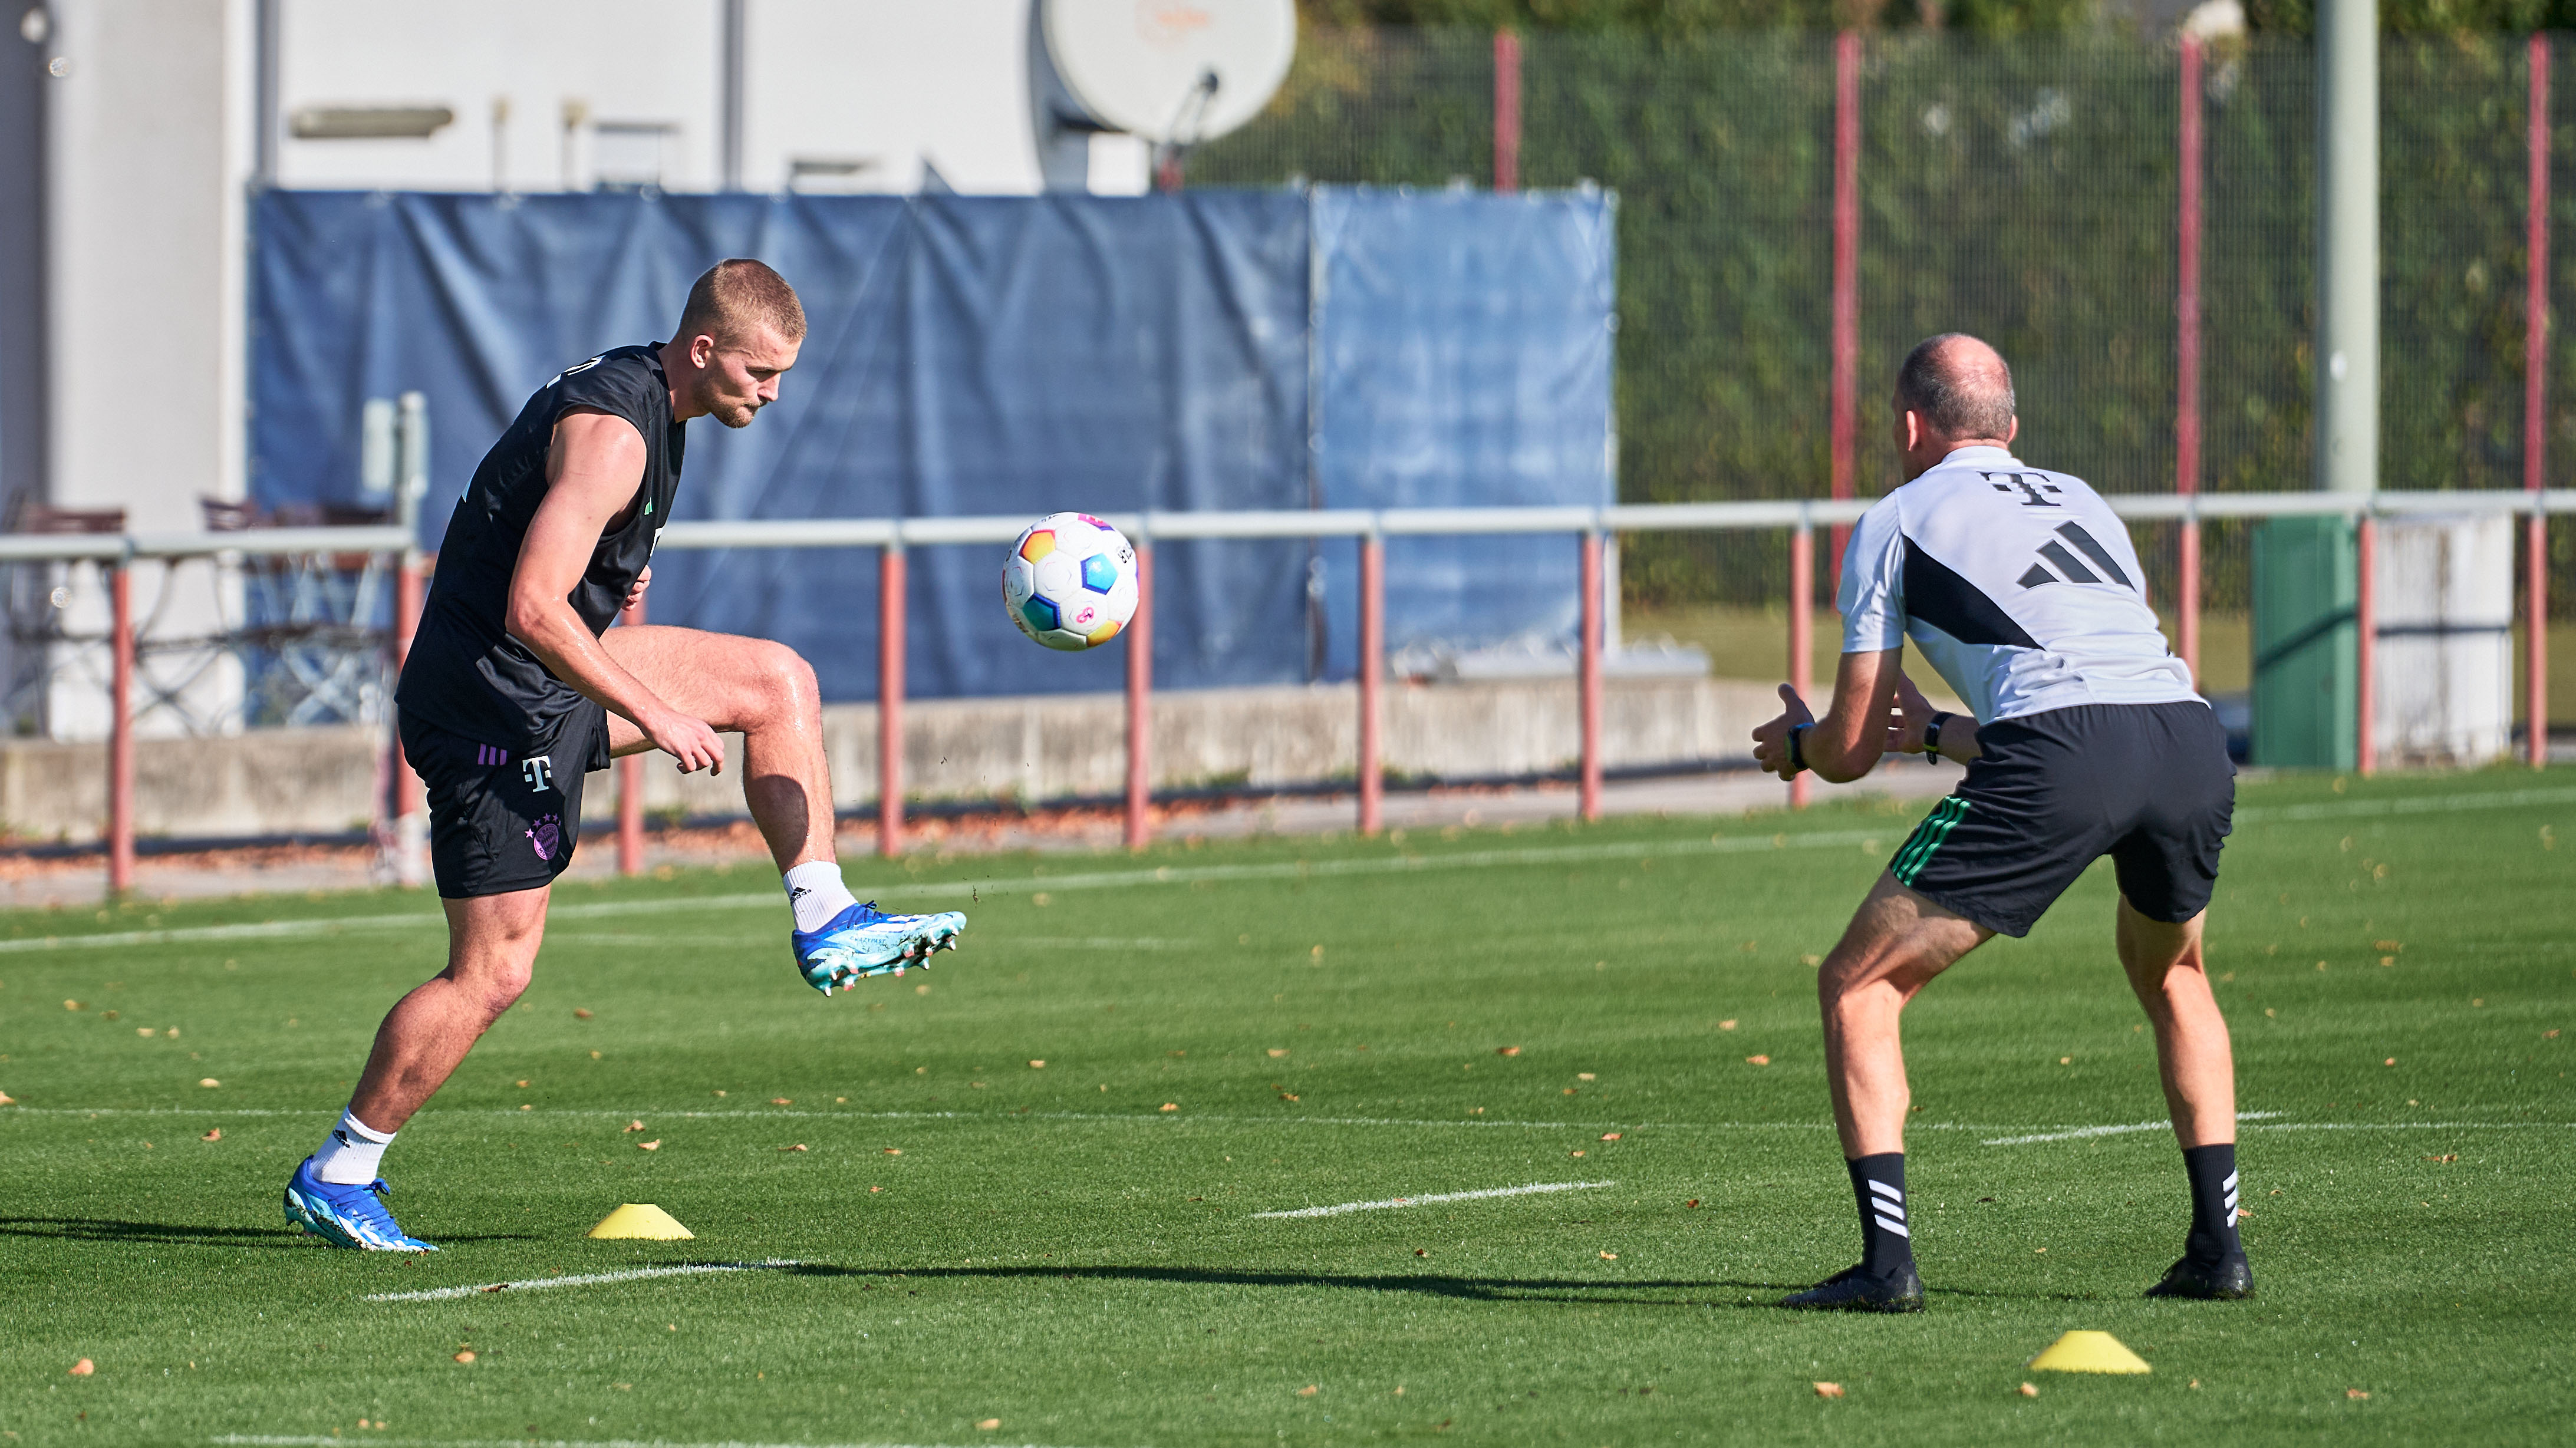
x=635, y=371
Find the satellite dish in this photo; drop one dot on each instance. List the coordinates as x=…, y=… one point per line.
x=1175, y=72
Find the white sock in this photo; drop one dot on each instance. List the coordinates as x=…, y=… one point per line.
x=350, y=1155
x=816, y=894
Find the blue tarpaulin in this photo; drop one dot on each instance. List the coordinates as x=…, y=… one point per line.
x=1012, y=356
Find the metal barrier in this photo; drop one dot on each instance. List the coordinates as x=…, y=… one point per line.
x=1589, y=526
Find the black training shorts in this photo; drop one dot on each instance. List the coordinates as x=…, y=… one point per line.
x=499, y=820
x=2150, y=785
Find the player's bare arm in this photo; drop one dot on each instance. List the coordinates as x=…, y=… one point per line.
x=591, y=478
x=1847, y=742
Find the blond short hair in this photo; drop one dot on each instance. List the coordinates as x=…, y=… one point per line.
x=738, y=295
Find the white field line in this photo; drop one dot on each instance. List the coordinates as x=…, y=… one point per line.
x=2078, y=1133
x=1392, y=1202
x=588, y=1279
x=1720, y=844
x=281, y=1440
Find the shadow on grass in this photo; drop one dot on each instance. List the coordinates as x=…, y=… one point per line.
x=1710, y=1292
x=109, y=1229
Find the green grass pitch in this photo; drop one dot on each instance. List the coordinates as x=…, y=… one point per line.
x=1076, y=1249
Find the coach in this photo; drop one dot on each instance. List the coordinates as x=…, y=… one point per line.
x=2021, y=588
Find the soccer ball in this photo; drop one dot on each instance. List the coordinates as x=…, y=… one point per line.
x=1070, y=582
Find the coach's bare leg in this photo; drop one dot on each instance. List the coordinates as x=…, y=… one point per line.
x=761, y=690
x=1896, y=943
x=491, y=949
x=2192, y=1051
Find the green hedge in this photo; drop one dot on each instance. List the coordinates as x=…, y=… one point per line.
x=2022, y=189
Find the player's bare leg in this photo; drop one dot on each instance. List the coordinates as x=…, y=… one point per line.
x=1896, y=943
x=2198, y=1066
x=761, y=690
x=492, y=945
x=766, y=692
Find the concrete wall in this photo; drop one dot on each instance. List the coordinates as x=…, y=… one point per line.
x=284, y=781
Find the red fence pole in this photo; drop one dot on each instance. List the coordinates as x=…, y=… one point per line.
x=1507, y=111
x=1846, y=322
x=2535, y=420
x=2187, y=360
x=1589, y=669
x=1372, y=673
x=1140, y=703
x=630, y=783
x=2366, y=658
x=1802, y=626
x=891, y=623
x=120, y=729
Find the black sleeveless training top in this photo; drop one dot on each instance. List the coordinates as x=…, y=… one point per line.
x=465, y=673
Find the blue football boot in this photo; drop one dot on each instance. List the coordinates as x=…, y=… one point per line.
x=863, y=941
x=346, y=1216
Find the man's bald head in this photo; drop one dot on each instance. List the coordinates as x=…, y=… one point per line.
x=1959, y=386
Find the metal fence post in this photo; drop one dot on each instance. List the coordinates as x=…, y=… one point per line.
x=2365, y=671
x=1507, y=111
x=2535, y=418
x=410, y=835
x=891, y=623
x=2187, y=361
x=1846, y=316
x=120, y=726
x=1372, y=677
x=1802, y=624
x=1589, y=667
x=630, y=783
x=1140, y=701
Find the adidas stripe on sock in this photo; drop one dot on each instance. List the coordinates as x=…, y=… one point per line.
x=2215, y=1188
x=1878, y=1187
x=816, y=893
x=351, y=1154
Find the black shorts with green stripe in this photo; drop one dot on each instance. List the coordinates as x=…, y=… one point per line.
x=2150, y=785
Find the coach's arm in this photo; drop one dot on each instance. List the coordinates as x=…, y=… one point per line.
x=593, y=472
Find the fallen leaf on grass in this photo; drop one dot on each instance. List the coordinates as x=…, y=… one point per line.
x=579, y=1014
x=1726, y=1025
x=1757, y=1060
x=466, y=1356
x=632, y=1126
x=1276, y=1052
x=1584, y=1076
x=1418, y=1252
x=2356, y=1395
x=1610, y=1136
x=1037, y=1065
x=144, y=1031
x=7, y=1100
x=654, y=1145
x=523, y=1085
x=1578, y=1153
x=1609, y=1256
x=1693, y=1202
x=1507, y=1050
x=210, y=1083
x=2029, y=1391
x=894, y=1151
x=2391, y=1061
x=83, y=1368
x=800, y=1146
x=2454, y=1156
x=1171, y=1106
x=1310, y=1390
x=780, y=1101
x=217, y=1134
x=1290, y=1096
x=989, y=1424
x=1829, y=1390
x=71, y=1005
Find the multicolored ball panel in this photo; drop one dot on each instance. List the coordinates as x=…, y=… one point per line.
x=1070, y=582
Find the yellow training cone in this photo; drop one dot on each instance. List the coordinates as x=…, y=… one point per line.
x=2089, y=1352
x=643, y=1219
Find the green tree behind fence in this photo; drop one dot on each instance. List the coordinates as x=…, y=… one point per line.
x=2024, y=189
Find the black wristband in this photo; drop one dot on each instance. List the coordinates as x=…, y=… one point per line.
x=1797, y=751
x=1933, y=724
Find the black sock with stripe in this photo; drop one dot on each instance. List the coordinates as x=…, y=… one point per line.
x=1878, y=1185
x=2213, y=1203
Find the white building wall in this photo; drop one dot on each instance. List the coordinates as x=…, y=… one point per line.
x=897, y=85
x=150, y=149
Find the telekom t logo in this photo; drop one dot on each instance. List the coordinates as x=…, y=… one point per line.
x=539, y=771
x=2032, y=485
